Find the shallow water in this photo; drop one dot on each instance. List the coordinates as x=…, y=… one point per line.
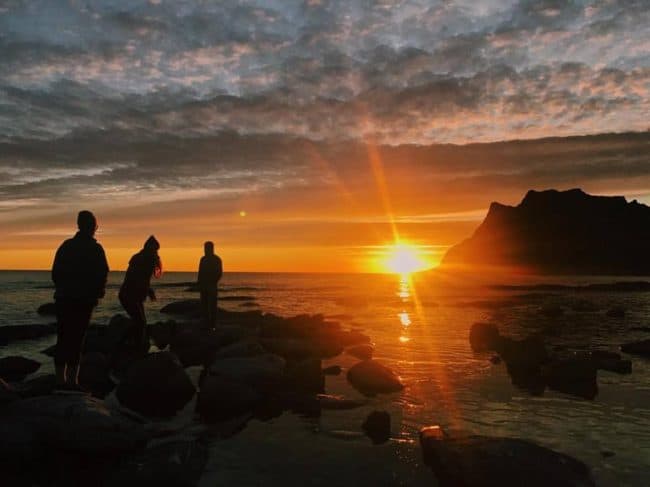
x=420, y=328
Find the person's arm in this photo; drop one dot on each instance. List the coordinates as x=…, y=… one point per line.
x=219, y=268
x=56, y=266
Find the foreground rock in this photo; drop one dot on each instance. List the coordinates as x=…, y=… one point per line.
x=25, y=332
x=47, y=309
x=171, y=464
x=186, y=307
x=259, y=371
x=484, y=337
x=94, y=374
x=63, y=440
x=156, y=385
x=576, y=376
x=198, y=347
x=7, y=394
x=16, y=368
x=370, y=377
x=641, y=347
x=377, y=427
x=483, y=461
x=220, y=399
x=362, y=352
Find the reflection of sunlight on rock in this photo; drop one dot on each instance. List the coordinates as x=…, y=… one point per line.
x=404, y=318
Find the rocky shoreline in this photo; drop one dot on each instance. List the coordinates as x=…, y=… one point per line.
x=255, y=365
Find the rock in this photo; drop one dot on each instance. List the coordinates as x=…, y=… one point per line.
x=7, y=394
x=16, y=368
x=330, y=401
x=257, y=371
x=117, y=332
x=177, y=463
x=575, y=376
x=610, y=361
x=616, y=312
x=524, y=359
x=220, y=399
x=483, y=461
x=185, y=307
x=641, y=347
x=332, y=370
x=240, y=349
x=640, y=328
x=25, y=332
x=47, y=309
x=362, y=352
x=495, y=359
x=156, y=385
x=377, y=427
x=41, y=385
x=484, y=337
x=162, y=333
x=305, y=376
x=370, y=377
x=94, y=374
x=198, y=347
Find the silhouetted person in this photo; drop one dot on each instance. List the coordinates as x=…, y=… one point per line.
x=210, y=271
x=79, y=273
x=137, y=286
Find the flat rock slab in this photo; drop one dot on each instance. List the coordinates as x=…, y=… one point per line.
x=642, y=347
x=483, y=461
x=25, y=332
x=370, y=377
x=47, y=309
x=16, y=368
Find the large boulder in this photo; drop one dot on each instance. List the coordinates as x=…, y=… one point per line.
x=156, y=385
x=198, y=347
x=14, y=368
x=641, y=347
x=185, y=307
x=524, y=360
x=220, y=399
x=244, y=348
x=302, y=348
x=162, y=332
x=263, y=371
x=484, y=337
x=305, y=376
x=370, y=377
x=610, y=361
x=483, y=461
x=94, y=374
x=41, y=385
x=363, y=351
x=25, y=332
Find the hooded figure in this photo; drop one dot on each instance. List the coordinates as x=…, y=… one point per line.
x=137, y=286
x=210, y=271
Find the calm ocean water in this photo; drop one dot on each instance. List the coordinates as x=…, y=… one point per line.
x=420, y=329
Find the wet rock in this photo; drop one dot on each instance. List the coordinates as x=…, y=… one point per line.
x=641, y=347
x=370, y=377
x=162, y=333
x=41, y=385
x=186, y=307
x=610, y=361
x=171, y=464
x=482, y=461
x=575, y=376
x=16, y=368
x=484, y=337
x=156, y=385
x=47, y=309
x=362, y=352
x=25, y=332
x=221, y=399
x=335, y=402
x=332, y=370
x=616, y=312
x=94, y=374
x=495, y=359
x=49, y=351
x=377, y=427
x=305, y=376
x=117, y=332
x=524, y=359
x=260, y=371
x=640, y=328
x=198, y=347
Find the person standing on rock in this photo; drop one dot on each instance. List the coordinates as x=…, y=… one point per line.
x=210, y=271
x=79, y=273
x=137, y=286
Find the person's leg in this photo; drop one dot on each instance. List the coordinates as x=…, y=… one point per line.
x=140, y=321
x=63, y=325
x=213, y=311
x=81, y=320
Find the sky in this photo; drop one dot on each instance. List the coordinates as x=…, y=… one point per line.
x=307, y=135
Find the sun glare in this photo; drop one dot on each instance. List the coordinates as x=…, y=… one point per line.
x=404, y=258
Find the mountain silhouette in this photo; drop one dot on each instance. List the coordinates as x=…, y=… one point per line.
x=560, y=232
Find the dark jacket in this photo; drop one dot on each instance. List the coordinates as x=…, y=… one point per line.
x=80, y=269
x=210, y=271
x=137, y=281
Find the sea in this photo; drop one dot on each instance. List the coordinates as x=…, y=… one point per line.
x=419, y=325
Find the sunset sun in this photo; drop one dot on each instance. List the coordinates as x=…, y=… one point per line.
x=404, y=258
